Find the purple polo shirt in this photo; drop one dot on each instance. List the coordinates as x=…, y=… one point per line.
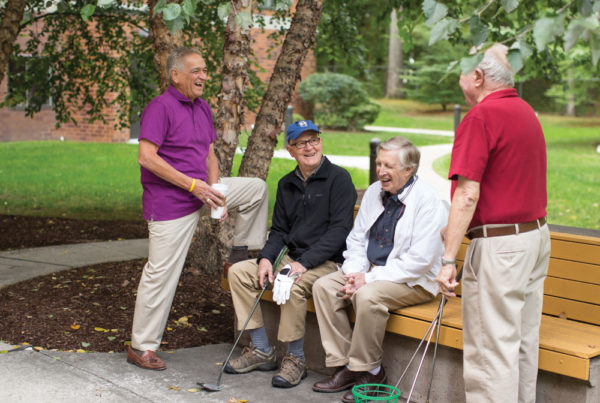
x=183, y=131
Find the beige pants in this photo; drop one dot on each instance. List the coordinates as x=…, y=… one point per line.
x=361, y=350
x=168, y=248
x=245, y=288
x=502, y=292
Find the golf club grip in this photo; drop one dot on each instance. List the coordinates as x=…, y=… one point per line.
x=277, y=261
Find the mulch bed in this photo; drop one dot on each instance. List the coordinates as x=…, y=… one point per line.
x=91, y=308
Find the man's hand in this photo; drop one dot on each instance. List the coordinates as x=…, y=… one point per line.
x=297, y=269
x=446, y=280
x=209, y=196
x=283, y=285
x=265, y=270
x=353, y=282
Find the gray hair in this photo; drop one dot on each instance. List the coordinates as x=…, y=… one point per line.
x=496, y=67
x=175, y=59
x=408, y=154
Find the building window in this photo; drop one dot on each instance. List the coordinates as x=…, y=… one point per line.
x=28, y=82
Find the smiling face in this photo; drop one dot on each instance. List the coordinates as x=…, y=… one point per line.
x=190, y=80
x=389, y=171
x=309, y=157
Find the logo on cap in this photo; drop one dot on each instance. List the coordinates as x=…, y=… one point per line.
x=302, y=123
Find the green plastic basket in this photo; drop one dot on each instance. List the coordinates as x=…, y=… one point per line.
x=373, y=392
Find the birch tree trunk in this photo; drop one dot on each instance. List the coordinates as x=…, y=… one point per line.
x=286, y=74
x=163, y=43
x=393, y=84
x=9, y=28
x=212, y=241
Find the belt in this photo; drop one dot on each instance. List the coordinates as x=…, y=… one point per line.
x=510, y=229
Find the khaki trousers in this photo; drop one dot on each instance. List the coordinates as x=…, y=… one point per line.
x=245, y=288
x=502, y=292
x=361, y=350
x=168, y=248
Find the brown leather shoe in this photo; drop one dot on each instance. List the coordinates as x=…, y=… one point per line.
x=341, y=380
x=145, y=359
x=363, y=378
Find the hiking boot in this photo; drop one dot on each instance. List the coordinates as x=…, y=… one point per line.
x=292, y=371
x=251, y=359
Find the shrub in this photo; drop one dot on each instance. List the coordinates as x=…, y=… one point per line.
x=338, y=101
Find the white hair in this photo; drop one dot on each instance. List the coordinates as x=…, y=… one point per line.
x=496, y=67
x=408, y=154
x=175, y=58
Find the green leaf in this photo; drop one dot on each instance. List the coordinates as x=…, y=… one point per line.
x=434, y=11
x=110, y=338
x=479, y=31
x=596, y=6
x=515, y=58
x=468, y=63
x=595, y=48
x=585, y=7
x=244, y=19
x=576, y=29
x=171, y=11
x=510, y=5
x=442, y=30
x=105, y=3
x=85, y=344
x=87, y=11
x=188, y=7
x=546, y=29
x=175, y=25
x=282, y=5
x=159, y=7
x=224, y=10
x=525, y=49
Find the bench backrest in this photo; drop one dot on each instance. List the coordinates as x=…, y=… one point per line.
x=572, y=288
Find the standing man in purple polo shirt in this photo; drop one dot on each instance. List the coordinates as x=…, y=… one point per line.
x=178, y=167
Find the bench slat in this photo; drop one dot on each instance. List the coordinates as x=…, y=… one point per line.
x=569, y=337
x=570, y=309
x=583, y=292
x=564, y=364
x=451, y=316
x=563, y=236
x=585, y=272
x=577, y=252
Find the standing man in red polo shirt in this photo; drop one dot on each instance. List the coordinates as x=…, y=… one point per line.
x=498, y=174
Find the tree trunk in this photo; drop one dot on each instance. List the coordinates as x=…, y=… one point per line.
x=571, y=101
x=163, y=43
x=212, y=241
x=393, y=84
x=9, y=28
x=286, y=74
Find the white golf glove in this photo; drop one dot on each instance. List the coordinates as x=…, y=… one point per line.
x=283, y=285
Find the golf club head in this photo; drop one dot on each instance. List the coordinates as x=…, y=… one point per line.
x=210, y=387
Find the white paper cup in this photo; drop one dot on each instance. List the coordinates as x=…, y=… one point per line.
x=216, y=213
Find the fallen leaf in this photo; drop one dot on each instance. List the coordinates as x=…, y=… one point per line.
x=114, y=330
x=123, y=307
x=173, y=387
x=85, y=344
x=183, y=319
x=50, y=316
x=194, y=390
x=216, y=311
x=80, y=350
x=127, y=343
x=38, y=348
x=101, y=329
x=169, y=328
x=75, y=327
x=111, y=338
x=125, y=283
x=203, y=329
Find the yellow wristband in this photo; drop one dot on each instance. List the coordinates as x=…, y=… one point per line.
x=193, y=184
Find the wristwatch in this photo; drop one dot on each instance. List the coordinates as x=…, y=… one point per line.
x=445, y=262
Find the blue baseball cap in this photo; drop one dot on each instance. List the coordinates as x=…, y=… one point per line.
x=297, y=128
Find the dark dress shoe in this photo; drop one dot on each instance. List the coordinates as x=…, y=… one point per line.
x=363, y=378
x=145, y=359
x=341, y=380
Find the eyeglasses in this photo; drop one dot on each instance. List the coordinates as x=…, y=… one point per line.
x=313, y=142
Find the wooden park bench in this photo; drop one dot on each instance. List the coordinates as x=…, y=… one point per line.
x=569, y=352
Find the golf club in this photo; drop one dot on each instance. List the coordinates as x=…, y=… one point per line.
x=437, y=320
x=217, y=387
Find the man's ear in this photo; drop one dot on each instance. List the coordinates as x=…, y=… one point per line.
x=478, y=77
x=174, y=76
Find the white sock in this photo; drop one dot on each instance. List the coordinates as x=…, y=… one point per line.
x=375, y=371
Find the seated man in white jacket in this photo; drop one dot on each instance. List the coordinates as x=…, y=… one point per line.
x=393, y=256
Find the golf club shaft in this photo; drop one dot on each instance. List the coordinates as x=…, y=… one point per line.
x=277, y=261
x=412, y=388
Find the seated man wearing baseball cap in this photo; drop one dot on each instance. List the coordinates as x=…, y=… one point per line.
x=312, y=217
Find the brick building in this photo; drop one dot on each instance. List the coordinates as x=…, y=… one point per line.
x=15, y=126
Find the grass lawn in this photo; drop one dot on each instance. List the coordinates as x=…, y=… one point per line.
x=89, y=180
x=573, y=170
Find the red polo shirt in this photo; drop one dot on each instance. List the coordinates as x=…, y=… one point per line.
x=500, y=144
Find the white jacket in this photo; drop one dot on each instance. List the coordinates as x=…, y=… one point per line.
x=416, y=256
